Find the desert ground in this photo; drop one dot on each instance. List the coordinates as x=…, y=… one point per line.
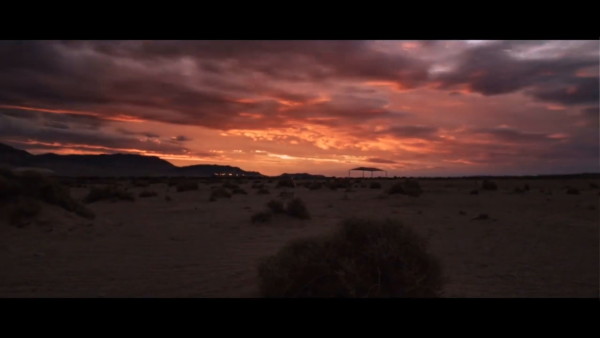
x=542, y=242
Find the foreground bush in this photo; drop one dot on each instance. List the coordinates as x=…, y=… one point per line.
x=364, y=258
x=109, y=193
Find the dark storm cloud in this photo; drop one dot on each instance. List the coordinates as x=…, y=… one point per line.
x=17, y=130
x=143, y=133
x=494, y=69
x=423, y=132
x=380, y=160
x=130, y=77
x=181, y=138
x=514, y=135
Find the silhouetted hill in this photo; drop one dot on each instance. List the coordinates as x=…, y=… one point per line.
x=110, y=165
x=14, y=156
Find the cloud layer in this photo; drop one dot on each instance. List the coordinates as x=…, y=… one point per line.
x=433, y=107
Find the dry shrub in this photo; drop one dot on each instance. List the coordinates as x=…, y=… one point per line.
x=187, y=186
x=489, y=185
x=148, y=193
x=276, y=206
x=110, y=193
x=219, y=193
x=375, y=185
x=261, y=217
x=364, y=258
x=408, y=187
x=296, y=208
x=263, y=191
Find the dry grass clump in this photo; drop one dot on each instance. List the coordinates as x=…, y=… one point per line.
x=489, y=185
x=239, y=191
x=187, y=186
x=285, y=183
x=276, y=207
x=219, y=193
x=363, y=258
x=296, y=208
x=261, y=217
x=408, y=187
x=110, y=193
x=375, y=185
x=148, y=193
x=263, y=191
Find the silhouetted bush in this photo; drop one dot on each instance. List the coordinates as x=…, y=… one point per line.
x=315, y=185
x=276, y=206
x=407, y=187
x=230, y=186
x=489, y=185
x=474, y=192
x=296, y=208
x=364, y=258
x=110, y=193
x=375, y=185
x=572, y=191
x=239, y=191
x=261, y=217
x=140, y=183
x=219, y=193
x=338, y=184
x=593, y=185
x=187, y=186
x=263, y=191
x=148, y=193
x=286, y=183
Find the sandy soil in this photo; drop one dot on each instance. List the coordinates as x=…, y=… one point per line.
x=533, y=245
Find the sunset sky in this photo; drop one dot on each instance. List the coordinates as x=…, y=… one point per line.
x=413, y=108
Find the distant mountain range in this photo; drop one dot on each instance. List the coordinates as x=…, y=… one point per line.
x=112, y=165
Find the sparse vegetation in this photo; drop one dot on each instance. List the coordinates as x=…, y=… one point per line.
x=296, y=208
x=572, y=191
x=364, y=258
x=375, y=185
x=409, y=187
x=489, y=185
x=187, y=186
x=276, y=206
x=110, y=193
x=22, y=210
x=239, y=191
x=286, y=183
x=263, y=191
x=33, y=186
x=261, y=217
x=219, y=193
x=148, y=193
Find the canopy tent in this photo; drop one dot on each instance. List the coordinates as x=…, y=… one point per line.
x=363, y=169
